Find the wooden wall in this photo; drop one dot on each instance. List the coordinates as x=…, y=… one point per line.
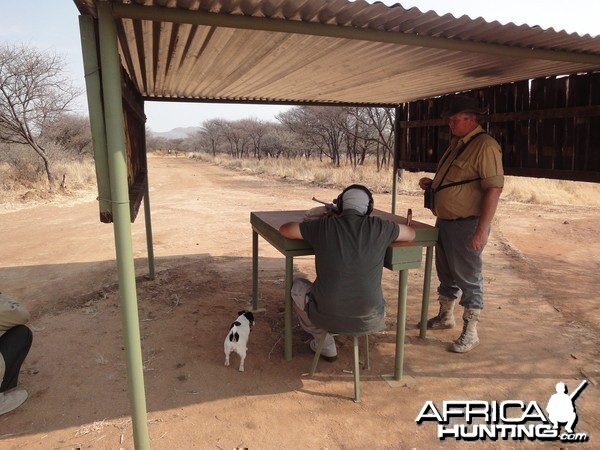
x=135, y=144
x=547, y=127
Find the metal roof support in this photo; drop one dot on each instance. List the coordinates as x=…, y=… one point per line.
x=149, y=244
x=91, y=67
x=397, y=132
x=115, y=136
x=184, y=16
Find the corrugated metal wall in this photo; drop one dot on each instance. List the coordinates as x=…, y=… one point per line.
x=547, y=127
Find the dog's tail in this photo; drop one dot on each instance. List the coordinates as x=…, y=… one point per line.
x=234, y=336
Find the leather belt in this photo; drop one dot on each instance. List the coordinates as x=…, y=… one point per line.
x=461, y=218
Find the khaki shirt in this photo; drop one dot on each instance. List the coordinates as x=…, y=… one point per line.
x=11, y=313
x=482, y=158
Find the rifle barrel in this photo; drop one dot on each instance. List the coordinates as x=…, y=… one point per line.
x=578, y=389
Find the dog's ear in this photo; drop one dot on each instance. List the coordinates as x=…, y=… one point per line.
x=241, y=312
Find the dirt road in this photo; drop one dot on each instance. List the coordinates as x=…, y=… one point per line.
x=540, y=326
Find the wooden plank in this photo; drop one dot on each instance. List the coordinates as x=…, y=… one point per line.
x=553, y=125
x=568, y=148
x=521, y=135
x=534, y=127
x=593, y=149
x=574, y=175
x=594, y=144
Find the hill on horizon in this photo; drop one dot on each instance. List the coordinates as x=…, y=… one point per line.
x=176, y=133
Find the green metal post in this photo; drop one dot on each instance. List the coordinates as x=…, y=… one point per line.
x=289, y=273
x=93, y=83
x=148, y=220
x=426, y=288
x=401, y=324
x=113, y=107
x=396, y=153
x=254, y=270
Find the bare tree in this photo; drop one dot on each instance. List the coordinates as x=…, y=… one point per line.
x=238, y=139
x=323, y=126
x=33, y=92
x=374, y=129
x=255, y=131
x=213, y=131
x=382, y=120
x=280, y=142
x=154, y=143
x=72, y=133
x=356, y=137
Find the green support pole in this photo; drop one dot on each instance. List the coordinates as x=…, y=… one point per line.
x=254, y=271
x=426, y=288
x=148, y=220
x=396, y=153
x=93, y=83
x=289, y=273
x=401, y=324
x=115, y=134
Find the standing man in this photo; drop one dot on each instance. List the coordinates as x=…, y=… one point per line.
x=463, y=195
x=15, y=342
x=349, y=246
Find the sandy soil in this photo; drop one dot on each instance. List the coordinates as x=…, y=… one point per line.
x=540, y=326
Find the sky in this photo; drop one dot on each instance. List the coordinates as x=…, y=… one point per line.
x=52, y=25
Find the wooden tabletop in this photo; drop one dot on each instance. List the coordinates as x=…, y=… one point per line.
x=400, y=255
x=426, y=234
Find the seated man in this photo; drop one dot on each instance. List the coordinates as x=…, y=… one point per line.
x=15, y=342
x=349, y=246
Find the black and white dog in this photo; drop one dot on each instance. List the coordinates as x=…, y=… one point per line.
x=237, y=337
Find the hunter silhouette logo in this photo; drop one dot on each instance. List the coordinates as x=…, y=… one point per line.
x=561, y=406
x=472, y=420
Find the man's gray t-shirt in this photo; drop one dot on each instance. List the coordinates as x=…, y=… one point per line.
x=349, y=252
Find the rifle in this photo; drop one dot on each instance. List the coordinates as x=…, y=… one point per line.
x=578, y=389
x=329, y=206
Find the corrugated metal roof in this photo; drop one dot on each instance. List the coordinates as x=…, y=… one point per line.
x=334, y=51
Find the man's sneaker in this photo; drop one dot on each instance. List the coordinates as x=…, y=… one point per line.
x=11, y=400
x=329, y=358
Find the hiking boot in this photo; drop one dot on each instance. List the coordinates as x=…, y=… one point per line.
x=468, y=339
x=329, y=358
x=445, y=317
x=11, y=400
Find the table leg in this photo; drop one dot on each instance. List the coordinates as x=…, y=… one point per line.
x=426, y=287
x=401, y=324
x=254, y=271
x=289, y=273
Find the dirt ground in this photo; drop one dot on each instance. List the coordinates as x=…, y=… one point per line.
x=540, y=326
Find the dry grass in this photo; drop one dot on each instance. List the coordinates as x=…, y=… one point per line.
x=321, y=173
x=518, y=189
x=27, y=187
x=551, y=192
